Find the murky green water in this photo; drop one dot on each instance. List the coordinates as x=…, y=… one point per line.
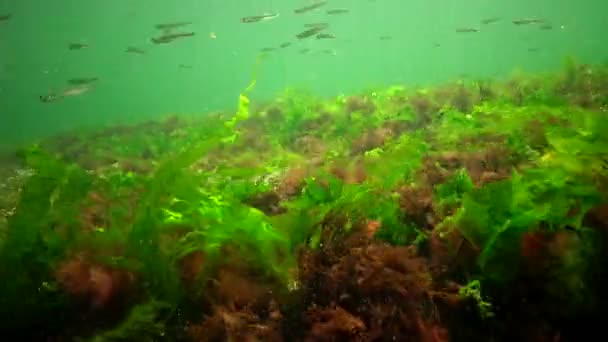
x=424, y=49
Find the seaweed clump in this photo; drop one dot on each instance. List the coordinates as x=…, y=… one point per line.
x=370, y=293
x=471, y=211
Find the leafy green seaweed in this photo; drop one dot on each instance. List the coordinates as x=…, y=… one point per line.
x=38, y=235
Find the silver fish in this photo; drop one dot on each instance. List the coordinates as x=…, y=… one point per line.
x=310, y=32
x=527, y=21
x=467, y=30
x=75, y=91
x=309, y=7
x=82, y=80
x=338, y=11
x=488, y=21
x=68, y=92
x=258, y=18
x=171, y=37
x=325, y=36
x=132, y=49
x=171, y=26
x=77, y=46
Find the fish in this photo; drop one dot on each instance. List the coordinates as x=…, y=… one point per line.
x=325, y=36
x=310, y=32
x=171, y=37
x=527, y=21
x=330, y=52
x=72, y=91
x=185, y=66
x=533, y=49
x=267, y=49
x=310, y=7
x=5, y=17
x=171, y=26
x=75, y=91
x=258, y=18
x=386, y=37
x=135, y=50
x=338, y=11
x=284, y=45
x=488, y=21
x=82, y=81
x=49, y=98
x=324, y=25
x=436, y=45
x=466, y=30
x=77, y=46
x=546, y=27
x=304, y=51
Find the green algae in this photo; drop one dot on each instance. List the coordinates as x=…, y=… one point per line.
x=193, y=196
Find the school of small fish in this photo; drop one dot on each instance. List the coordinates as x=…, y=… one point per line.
x=81, y=85
x=169, y=34
x=318, y=29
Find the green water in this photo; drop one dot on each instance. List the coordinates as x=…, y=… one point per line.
x=34, y=58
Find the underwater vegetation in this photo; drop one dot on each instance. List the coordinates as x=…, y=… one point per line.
x=470, y=211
